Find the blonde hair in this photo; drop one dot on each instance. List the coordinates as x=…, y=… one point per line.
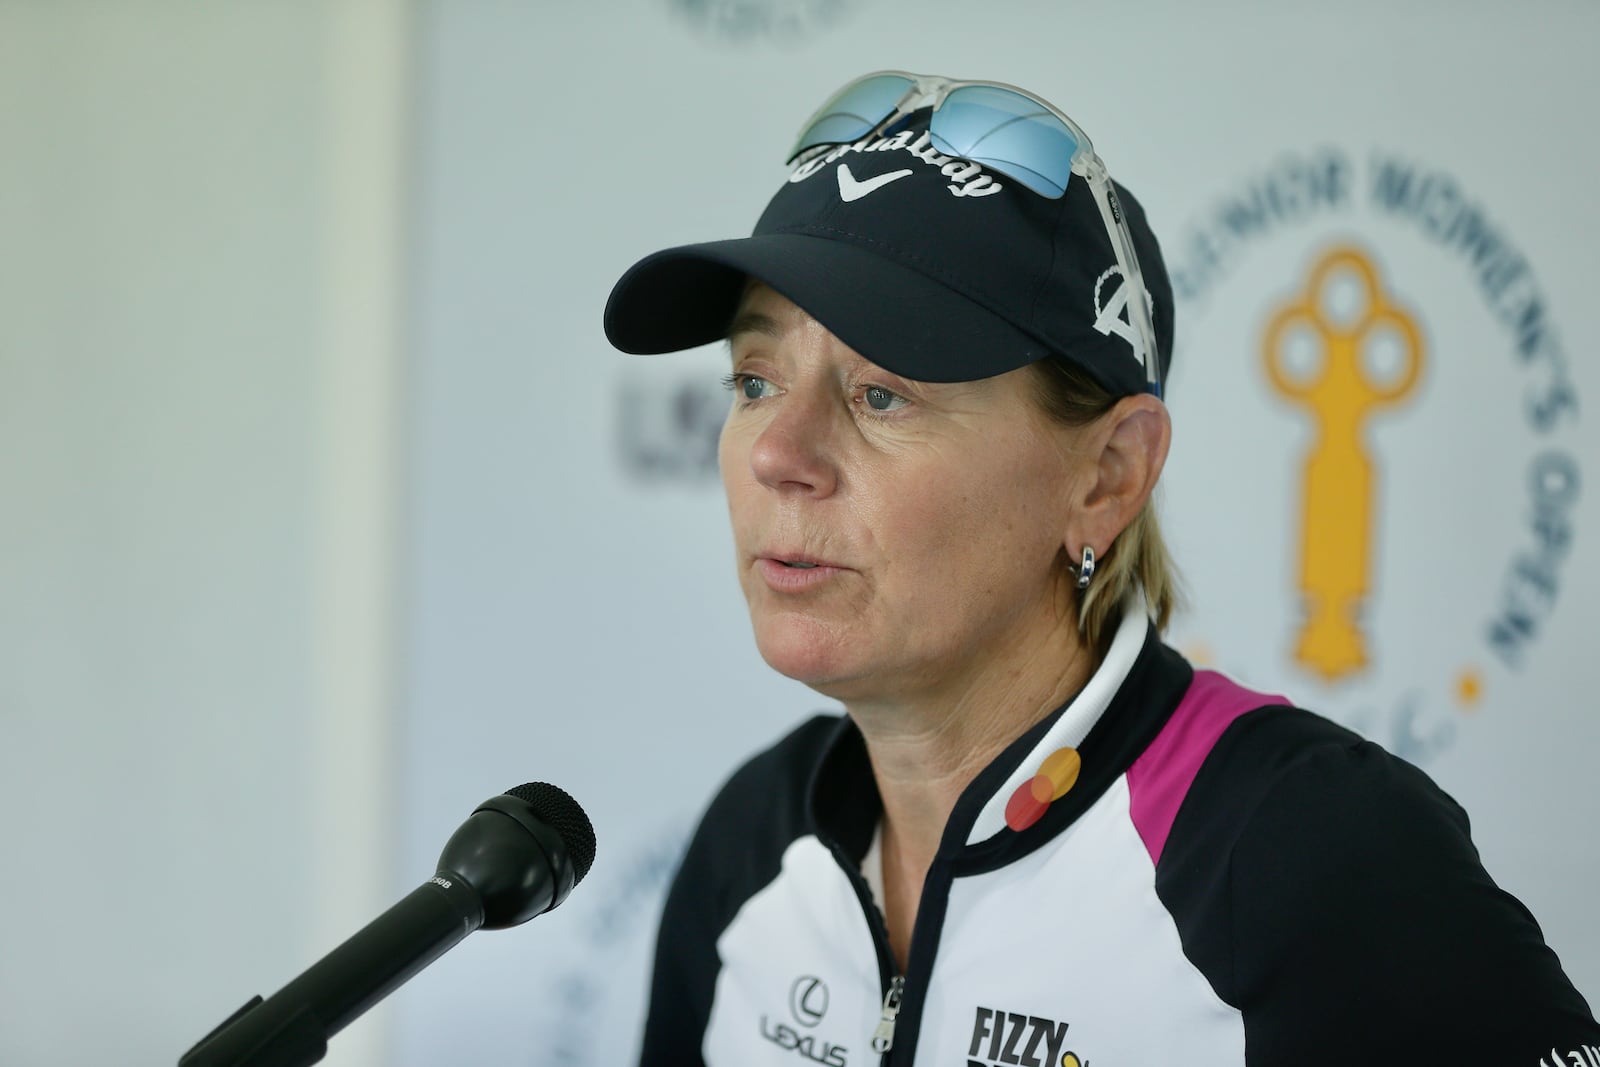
x=1138, y=559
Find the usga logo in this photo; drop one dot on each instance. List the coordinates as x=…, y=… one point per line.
x=743, y=21
x=808, y=1003
x=1010, y=1037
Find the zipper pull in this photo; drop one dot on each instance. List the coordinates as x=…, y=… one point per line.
x=883, y=1036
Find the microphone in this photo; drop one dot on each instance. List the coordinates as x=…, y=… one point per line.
x=518, y=855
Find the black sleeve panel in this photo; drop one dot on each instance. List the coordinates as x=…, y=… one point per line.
x=1331, y=892
x=737, y=849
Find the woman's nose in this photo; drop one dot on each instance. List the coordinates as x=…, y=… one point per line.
x=795, y=451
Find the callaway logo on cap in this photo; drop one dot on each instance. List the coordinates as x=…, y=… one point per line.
x=966, y=177
x=851, y=188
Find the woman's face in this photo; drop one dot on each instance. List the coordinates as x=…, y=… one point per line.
x=895, y=539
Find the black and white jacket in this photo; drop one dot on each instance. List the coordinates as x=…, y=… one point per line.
x=1229, y=880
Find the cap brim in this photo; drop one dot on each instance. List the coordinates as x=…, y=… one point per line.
x=893, y=315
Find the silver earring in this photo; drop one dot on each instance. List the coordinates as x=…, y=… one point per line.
x=1086, y=568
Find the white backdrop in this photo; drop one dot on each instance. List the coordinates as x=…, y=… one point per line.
x=270, y=263
x=200, y=220
x=571, y=613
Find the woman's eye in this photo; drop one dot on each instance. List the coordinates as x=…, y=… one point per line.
x=881, y=399
x=748, y=386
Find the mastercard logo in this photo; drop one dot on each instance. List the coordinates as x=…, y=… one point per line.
x=1056, y=776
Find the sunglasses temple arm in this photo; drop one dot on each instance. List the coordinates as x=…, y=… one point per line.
x=1128, y=261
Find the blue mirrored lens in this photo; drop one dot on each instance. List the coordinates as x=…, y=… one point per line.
x=1006, y=132
x=852, y=113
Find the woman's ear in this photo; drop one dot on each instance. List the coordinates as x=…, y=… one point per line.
x=1126, y=449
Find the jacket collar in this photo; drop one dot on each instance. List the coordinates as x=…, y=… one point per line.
x=1108, y=723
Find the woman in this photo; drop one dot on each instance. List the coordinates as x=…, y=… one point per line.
x=1037, y=836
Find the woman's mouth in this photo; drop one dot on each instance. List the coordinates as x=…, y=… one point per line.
x=795, y=575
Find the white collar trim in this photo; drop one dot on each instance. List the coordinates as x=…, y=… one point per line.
x=1077, y=720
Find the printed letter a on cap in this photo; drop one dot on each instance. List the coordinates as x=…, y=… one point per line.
x=1108, y=317
x=850, y=189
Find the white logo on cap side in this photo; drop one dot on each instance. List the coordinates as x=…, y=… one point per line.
x=852, y=189
x=1108, y=316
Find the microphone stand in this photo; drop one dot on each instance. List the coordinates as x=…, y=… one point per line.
x=292, y=1027
x=505, y=865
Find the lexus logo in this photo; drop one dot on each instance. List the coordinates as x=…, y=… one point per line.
x=808, y=1000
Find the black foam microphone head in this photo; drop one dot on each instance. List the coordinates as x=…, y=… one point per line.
x=553, y=805
x=521, y=852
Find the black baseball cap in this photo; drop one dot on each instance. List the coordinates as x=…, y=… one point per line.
x=934, y=267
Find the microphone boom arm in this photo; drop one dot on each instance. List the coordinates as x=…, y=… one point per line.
x=292, y=1027
x=503, y=866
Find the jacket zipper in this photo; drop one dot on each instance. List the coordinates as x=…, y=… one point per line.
x=894, y=992
x=883, y=1036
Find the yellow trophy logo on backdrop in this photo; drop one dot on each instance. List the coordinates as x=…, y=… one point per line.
x=1381, y=264
x=1341, y=349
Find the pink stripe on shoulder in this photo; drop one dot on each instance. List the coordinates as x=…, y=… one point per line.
x=1160, y=778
